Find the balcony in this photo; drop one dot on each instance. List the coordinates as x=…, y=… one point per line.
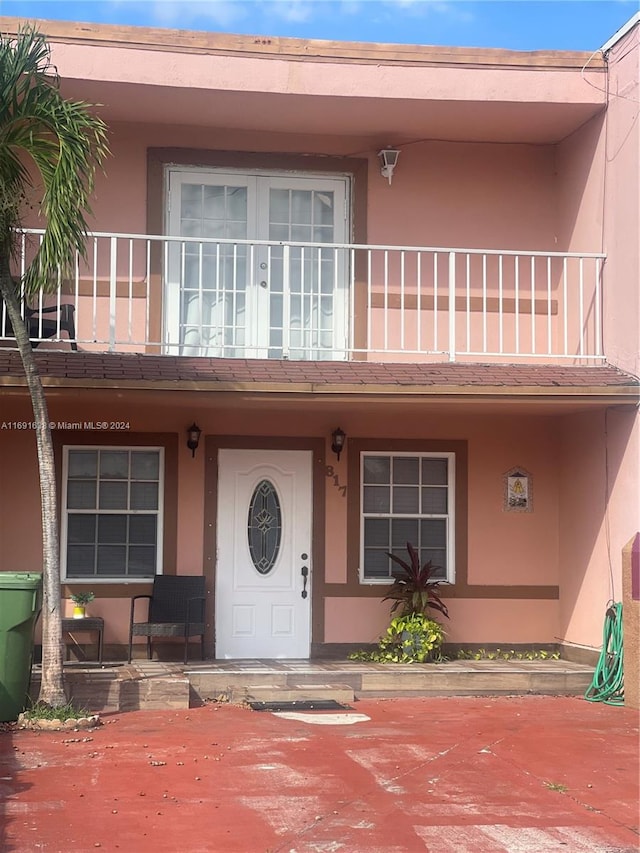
x=324, y=301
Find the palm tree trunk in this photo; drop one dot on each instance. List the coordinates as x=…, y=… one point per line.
x=52, y=686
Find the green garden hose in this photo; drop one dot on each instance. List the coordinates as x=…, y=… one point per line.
x=608, y=681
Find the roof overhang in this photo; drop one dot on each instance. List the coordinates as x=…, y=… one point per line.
x=384, y=92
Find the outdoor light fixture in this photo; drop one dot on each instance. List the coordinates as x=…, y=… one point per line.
x=338, y=437
x=193, y=440
x=388, y=160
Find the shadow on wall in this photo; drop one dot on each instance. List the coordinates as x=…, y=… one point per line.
x=593, y=451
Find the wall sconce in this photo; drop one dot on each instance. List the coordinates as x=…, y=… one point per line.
x=338, y=438
x=388, y=160
x=193, y=439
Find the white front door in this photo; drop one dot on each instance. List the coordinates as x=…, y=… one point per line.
x=267, y=284
x=263, y=572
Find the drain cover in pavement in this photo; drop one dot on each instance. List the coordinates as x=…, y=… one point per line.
x=301, y=705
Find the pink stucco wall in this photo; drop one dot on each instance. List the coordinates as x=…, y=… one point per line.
x=490, y=621
x=509, y=549
x=622, y=205
x=598, y=497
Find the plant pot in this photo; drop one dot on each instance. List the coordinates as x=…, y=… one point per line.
x=79, y=611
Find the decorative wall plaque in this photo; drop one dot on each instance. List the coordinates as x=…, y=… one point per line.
x=518, y=491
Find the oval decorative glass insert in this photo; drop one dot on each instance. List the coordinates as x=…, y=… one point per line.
x=264, y=527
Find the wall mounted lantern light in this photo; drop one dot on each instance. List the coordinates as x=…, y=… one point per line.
x=388, y=162
x=193, y=439
x=338, y=438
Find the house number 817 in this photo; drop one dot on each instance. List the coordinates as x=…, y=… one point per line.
x=331, y=473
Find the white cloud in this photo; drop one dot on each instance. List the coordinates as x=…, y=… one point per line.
x=226, y=14
x=296, y=11
x=183, y=13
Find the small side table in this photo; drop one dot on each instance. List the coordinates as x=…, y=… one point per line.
x=89, y=623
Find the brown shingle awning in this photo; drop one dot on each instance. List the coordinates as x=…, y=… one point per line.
x=118, y=370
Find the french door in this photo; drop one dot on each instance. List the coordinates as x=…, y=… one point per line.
x=253, y=289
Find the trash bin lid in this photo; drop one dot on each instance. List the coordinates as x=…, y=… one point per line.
x=20, y=580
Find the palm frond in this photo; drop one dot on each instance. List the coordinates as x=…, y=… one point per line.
x=63, y=139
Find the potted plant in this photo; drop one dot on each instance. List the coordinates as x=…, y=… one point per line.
x=414, y=588
x=411, y=636
x=80, y=600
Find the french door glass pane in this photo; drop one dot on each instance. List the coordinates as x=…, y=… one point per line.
x=214, y=276
x=307, y=284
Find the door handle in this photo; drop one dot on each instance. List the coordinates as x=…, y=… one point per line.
x=304, y=571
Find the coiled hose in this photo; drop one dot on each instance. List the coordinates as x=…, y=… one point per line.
x=608, y=681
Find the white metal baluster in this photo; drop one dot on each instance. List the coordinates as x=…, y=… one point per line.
x=581, y=303
x=516, y=279
x=147, y=279
x=369, y=302
x=351, y=301
x=234, y=296
x=419, y=301
x=533, y=304
x=452, y=306
x=94, y=294
x=201, y=334
x=598, y=308
x=250, y=287
x=484, y=303
x=500, y=307
x=113, y=283
x=549, y=301
x=76, y=292
x=167, y=275
x=402, y=305
x=221, y=306
x=565, y=307
x=286, y=301
x=130, y=289
x=386, y=300
x=336, y=345
x=468, y=300
x=435, y=302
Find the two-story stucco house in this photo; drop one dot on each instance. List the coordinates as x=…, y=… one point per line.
x=394, y=287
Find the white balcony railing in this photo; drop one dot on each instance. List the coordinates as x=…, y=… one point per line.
x=261, y=299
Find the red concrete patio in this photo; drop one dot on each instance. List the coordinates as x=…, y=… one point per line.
x=443, y=775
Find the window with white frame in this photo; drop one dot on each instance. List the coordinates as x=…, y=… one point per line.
x=112, y=512
x=406, y=497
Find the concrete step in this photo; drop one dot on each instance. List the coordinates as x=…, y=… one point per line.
x=341, y=693
x=550, y=678
x=443, y=682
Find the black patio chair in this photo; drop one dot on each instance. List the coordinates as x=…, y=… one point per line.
x=176, y=609
x=41, y=327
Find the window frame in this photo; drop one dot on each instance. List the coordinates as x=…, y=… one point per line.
x=450, y=516
x=159, y=513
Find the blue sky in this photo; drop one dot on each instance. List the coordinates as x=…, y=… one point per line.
x=514, y=24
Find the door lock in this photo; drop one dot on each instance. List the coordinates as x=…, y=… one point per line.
x=304, y=571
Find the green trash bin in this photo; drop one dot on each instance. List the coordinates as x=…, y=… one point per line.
x=20, y=603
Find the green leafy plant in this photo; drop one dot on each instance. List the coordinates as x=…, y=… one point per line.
x=82, y=598
x=511, y=654
x=42, y=711
x=414, y=588
x=412, y=638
